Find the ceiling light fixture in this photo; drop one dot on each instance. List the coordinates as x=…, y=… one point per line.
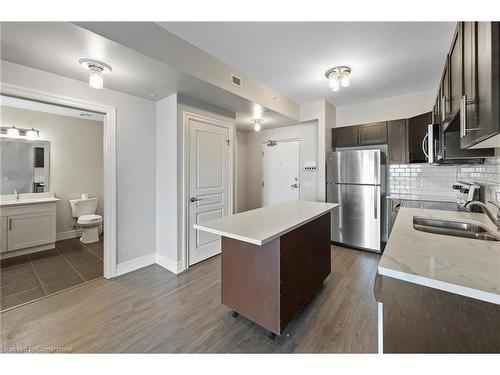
x=13, y=132
x=257, y=122
x=338, y=77
x=96, y=69
x=32, y=134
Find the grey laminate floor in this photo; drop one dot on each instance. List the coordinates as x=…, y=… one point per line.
x=29, y=277
x=152, y=310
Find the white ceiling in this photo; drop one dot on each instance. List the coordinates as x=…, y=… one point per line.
x=56, y=47
x=387, y=58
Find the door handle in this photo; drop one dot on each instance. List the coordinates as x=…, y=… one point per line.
x=375, y=201
x=194, y=199
x=295, y=186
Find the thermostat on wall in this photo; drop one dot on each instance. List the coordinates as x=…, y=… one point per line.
x=310, y=166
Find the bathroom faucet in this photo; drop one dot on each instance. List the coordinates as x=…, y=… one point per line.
x=17, y=192
x=491, y=215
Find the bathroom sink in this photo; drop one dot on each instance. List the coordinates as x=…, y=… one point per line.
x=454, y=228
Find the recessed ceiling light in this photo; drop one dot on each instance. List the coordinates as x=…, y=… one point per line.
x=338, y=76
x=257, y=122
x=96, y=69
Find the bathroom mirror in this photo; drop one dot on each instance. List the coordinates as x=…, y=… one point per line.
x=24, y=166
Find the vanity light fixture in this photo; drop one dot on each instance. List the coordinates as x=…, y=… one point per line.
x=13, y=132
x=96, y=69
x=338, y=77
x=32, y=134
x=257, y=122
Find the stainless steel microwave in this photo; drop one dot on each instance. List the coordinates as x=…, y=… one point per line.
x=443, y=147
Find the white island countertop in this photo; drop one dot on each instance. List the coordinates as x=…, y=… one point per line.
x=262, y=225
x=463, y=266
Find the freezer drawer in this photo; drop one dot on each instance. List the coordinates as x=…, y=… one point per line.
x=357, y=221
x=354, y=167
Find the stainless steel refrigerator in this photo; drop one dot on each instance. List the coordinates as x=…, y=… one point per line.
x=356, y=180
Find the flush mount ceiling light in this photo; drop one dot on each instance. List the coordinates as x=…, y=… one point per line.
x=13, y=132
x=96, y=69
x=338, y=76
x=257, y=122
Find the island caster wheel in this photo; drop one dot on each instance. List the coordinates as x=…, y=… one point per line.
x=235, y=314
x=271, y=335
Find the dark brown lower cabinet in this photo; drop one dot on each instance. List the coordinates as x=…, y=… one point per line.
x=271, y=283
x=417, y=130
x=397, y=149
x=419, y=319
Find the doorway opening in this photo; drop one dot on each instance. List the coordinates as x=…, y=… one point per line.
x=60, y=226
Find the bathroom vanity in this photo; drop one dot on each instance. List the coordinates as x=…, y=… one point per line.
x=27, y=209
x=27, y=225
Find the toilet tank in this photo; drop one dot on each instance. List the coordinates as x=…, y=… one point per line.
x=81, y=207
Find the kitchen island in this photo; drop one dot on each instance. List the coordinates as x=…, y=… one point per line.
x=274, y=259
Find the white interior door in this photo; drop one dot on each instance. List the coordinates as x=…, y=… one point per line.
x=209, y=184
x=280, y=172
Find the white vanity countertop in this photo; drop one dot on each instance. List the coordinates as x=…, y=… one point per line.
x=26, y=201
x=468, y=267
x=262, y=225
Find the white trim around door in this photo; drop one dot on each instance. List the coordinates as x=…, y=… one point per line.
x=109, y=145
x=186, y=116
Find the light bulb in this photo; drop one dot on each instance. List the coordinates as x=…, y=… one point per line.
x=345, y=80
x=256, y=127
x=32, y=134
x=95, y=78
x=334, y=83
x=13, y=132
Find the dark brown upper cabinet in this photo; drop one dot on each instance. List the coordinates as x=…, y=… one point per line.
x=397, y=148
x=373, y=134
x=417, y=130
x=480, y=103
x=345, y=136
x=445, y=91
x=455, y=74
x=360, y=135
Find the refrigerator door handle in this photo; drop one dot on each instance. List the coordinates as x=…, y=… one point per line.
x=375, y=203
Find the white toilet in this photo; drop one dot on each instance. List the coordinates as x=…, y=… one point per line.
x=84, y=210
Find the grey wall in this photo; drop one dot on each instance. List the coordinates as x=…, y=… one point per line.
x=135, y=152
x=76, y=157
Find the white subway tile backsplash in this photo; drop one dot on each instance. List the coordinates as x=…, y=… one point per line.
x=435, y=181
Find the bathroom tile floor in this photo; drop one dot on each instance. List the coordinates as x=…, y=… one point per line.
x=28, y=277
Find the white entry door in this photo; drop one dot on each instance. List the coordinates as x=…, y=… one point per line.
x=280, y=171
x=209, y=183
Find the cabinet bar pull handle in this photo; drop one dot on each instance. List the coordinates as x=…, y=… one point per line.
x=463, y=116
x=10, y=224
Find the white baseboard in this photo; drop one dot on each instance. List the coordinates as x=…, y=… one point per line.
x=135, y=264
x=169, y=264
x=69, y=234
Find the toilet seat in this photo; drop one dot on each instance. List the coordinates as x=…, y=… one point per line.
x=90, y=219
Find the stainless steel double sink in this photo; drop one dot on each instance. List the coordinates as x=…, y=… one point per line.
x=454, y=228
